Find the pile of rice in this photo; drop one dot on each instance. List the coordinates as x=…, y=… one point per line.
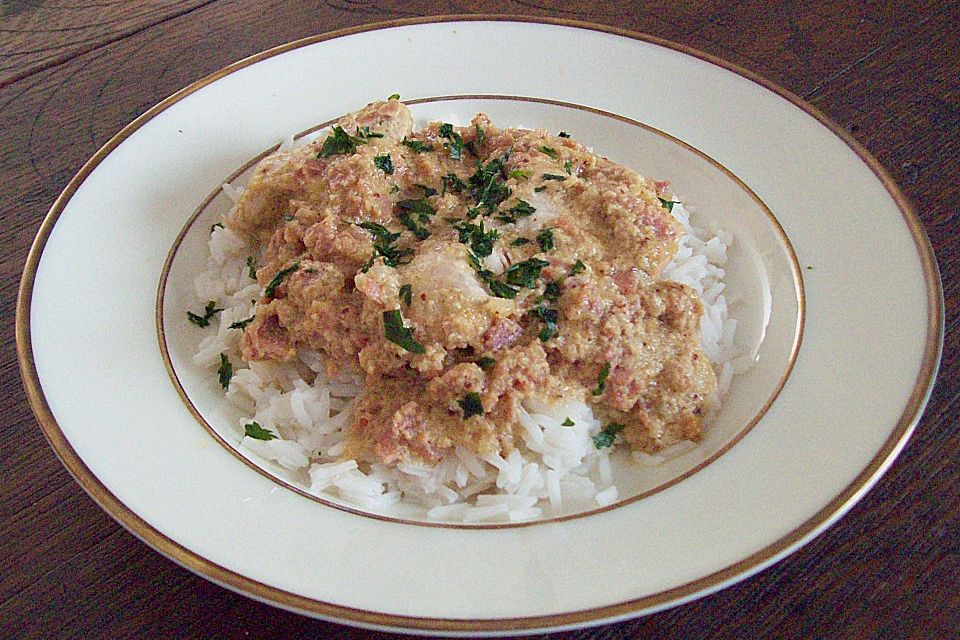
x=556, y=469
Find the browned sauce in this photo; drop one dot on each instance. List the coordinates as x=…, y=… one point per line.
x=462, y=269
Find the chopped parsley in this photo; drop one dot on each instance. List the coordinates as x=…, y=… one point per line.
x=519, y=174
x=383, y=246
x=486, y=362
x=339, y=142
x=553, y=176
x=602, y=379
x=475, y=145
x=406, y=293
x=567, y=423
x=604, y=439
x=471, y=405
x=251, y=270
x=455, y=146
x=568, y=166
x=578, y=267
x=280, y=277
x=480, y=240
x=452, y=182
x=487, y=183
x=525, y=273
x=497, y=288
x=520, y=210
x=255, y=431
x=542, y=187
x=420, y=206
x=394, y=96
x=563, y=134
x=550, y=152
x=549, y=318
x=208, y=312
x=545, y=239
x=384, y=163
x=668, y=204
x=421, y=232
x=553, y=291
x=516, y=242
x=395, y=332
x=417, y=146
x=242, y=324
x=225, y=372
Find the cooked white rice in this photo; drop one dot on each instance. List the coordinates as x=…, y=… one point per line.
x=555, y=469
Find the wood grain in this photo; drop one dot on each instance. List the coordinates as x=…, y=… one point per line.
x=38, y=34
x=887, y=71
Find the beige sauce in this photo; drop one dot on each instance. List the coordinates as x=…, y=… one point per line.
x=556, y=294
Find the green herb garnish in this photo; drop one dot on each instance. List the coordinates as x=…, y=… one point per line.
x=280, y=277
x=384, y=163
x=406, y=293
x=480, y=240
x=420, y=206
x=225, y=371
x=455, y=146
x=602, y=379
x=553, y=291
x=497, y=288
x=421, y=232
x=395, y=332
x=516, y=242
x=553, y=176
x=242, y=324
x=520, y=210
x=487, y=183
x=417, y=146
x=471, y=405
x=542, y=187
x=545, y=239
x=578, y=267
x=208, y=312
x=486, y=362
x=251, y=270
x=383, y=246
x=605, y=438
x=550, y=152
x=563, y=134
x=519, y=174
x=255, y=431
x=394, y=96
x=668, y=204
x=567, y=423
x=453, y=183
x=568, y=167
x=549, y=318
x=525, y=273
x=339, y=142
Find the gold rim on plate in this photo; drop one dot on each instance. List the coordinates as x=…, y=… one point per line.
x=646, y=604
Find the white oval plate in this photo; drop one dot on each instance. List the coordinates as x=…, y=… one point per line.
x=96, y=379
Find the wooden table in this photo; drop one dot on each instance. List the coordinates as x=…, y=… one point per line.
x=72, y=75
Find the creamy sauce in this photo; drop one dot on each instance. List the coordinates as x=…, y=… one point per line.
x=463, y=269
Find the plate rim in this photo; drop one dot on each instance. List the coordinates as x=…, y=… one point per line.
x=815, y=524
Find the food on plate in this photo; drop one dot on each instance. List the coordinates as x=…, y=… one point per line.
x=463, y=318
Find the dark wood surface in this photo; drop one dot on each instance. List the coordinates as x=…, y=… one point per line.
x=72, y=73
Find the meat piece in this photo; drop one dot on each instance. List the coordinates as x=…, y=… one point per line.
x=503, y=332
